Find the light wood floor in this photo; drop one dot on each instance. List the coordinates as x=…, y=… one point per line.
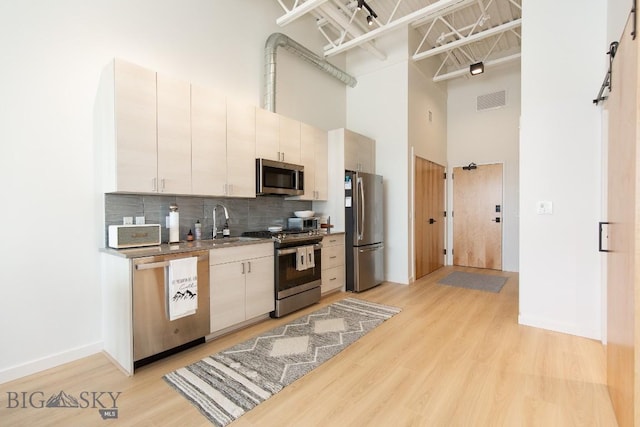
x=452, y=357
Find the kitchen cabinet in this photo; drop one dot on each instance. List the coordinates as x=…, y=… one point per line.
x=333, y=273
x=208, y=142
x=174, y=135
x=241, y=150
x=144, y=123
x=315, y=159
x=242, y=286
x=359, y=152
x=277, y=137
x=126, y=101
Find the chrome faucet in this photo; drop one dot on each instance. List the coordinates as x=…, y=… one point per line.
x=226, y=217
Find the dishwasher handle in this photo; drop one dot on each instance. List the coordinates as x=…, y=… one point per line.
x=161, y=264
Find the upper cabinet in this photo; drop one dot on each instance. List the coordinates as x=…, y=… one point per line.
x=128, y=128
x=314, y=158
x=208, y=142
x=145, y=127
x=267, y=135
x=359, y=152
x=241, y=150
x=289, y=140
x=162, y=135
x=277, y=137
x=174, y=135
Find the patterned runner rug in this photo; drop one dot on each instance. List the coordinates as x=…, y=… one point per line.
x=228, y=384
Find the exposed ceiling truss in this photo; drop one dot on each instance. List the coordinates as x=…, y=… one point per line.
x=456, y=32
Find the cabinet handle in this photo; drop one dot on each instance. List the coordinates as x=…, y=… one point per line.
x=249, y=262
x=162, y=184
x=243, y=268
x=230, y=189
x=332, y=257
x=333, y=278
x=154, y=184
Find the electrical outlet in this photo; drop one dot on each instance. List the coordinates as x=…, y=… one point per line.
x=140, y=220
x=127, y=220
x=544, y=207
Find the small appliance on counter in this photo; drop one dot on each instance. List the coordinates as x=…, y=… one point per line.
x=311, y=223
x=134, y=235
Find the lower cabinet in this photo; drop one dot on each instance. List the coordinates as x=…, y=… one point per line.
x=242, y=287
x=332, y=263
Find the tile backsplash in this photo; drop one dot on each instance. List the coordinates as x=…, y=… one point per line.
x=244, y=214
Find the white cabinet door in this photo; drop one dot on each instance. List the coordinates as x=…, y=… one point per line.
x=227, y=295
x=321, y=164
x=260, y=293
x=359, y=152
x=314, y=158
x=290, y=140
x=208, y=142
x=135, y=128
x=241, y=150
x=267, y=135
x=174, y=135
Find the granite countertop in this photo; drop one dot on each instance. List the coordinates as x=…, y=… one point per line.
x=196, y=245
x=184, y=247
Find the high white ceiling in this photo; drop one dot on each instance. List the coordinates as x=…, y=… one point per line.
x=457, y=32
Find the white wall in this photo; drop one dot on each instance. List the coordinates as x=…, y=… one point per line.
x=617, y=14
x=377, y=107
x=560, y=286
x=484, y=137
x=53, y=54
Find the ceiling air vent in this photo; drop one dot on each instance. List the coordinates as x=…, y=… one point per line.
x=491, y=101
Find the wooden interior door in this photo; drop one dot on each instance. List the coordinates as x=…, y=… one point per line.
x=477, y=216
x=429, y=216
x=622, y=208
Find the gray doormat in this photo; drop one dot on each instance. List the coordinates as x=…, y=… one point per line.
x=228, y=384
x=481, y=282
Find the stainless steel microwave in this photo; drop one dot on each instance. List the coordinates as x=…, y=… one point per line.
x=279, y=178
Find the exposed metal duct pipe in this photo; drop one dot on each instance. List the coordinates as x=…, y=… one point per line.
x=277, y=40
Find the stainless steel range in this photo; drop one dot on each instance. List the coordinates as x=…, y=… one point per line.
x=297, y=268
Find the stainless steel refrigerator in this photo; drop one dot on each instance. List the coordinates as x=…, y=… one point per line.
x=364, y=227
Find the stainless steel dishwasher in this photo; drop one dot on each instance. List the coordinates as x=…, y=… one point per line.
x=154, y=335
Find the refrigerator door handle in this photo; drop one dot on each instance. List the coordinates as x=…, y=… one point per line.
x=361, y=223
x=378, y=247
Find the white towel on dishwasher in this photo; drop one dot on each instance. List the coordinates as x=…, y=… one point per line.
x=301, y=258
x=181, y=287
x=311, y=257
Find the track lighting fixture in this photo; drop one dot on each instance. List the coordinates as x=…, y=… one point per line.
x=477, y=68
x=371, y=15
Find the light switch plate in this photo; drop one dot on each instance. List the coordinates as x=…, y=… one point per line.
x=127, y=220
x=544, y=207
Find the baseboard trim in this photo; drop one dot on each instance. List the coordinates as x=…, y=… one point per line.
x=47, y=362
x=564, y=328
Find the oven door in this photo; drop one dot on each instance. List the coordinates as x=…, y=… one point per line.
x=292, y=278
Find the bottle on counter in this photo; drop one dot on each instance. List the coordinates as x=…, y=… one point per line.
x=174, y=224
x=189, y=236
x=198, y=230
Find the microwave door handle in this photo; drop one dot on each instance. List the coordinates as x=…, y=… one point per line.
x=361, y=208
